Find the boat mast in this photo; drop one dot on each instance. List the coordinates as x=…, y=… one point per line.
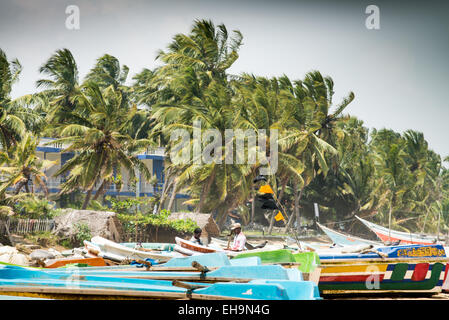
x=389, y=224
x=438, y=229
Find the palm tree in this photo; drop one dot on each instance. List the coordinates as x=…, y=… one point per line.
x=208, y=48
x=193, y=85
x=24, y=167
x=12, y=126
x=214, y=109
x=390, y=162
x=299, y=110
x=62, y=89
x=100, y=142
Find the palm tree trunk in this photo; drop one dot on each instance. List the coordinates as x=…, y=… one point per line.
x=221, y=216
x=253, y=207
x=438, y=227
x=424, y=224
x=223, y=211
x=173, y=195
x=87, y=199
x=389, y=222
x=27, y=188
x=164, y=195
x=270, y=228
x=165, y=187
x=19, y=187
x=297, y=199
x=205, y=191
x=284, y=184
x=101, y=190
x=289, y=223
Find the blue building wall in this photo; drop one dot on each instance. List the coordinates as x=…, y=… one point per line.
x=157, y=163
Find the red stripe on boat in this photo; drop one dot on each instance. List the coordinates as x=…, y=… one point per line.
x=351, y=278
x=386, y=238
x=420, y=271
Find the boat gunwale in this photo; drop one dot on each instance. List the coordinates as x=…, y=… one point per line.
x=371, y=242
x=435, y=289
x=326, y=262
x=91, y=291
x=400, y=235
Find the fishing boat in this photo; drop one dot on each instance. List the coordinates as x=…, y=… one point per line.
x=406, y=268
x=344, y=239
x=307, y=262
x=189, y=245
x=227, y=273
x=190, y=248
x=117, y=252
x=215, y=259
x=57, y=263
x=19, y=281
x=155, y=246
x=387, y=235
x=219, y=243
x=185, y=251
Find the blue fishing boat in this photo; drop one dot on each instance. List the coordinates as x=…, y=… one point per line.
x=215, y=259
x=226, y=273
x=16, y=280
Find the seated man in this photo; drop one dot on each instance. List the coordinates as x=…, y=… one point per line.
x=239, y=238
x=196, y=238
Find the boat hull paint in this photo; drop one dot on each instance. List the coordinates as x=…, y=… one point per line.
x=224, y=273
x=122, y=252
x=149, y=245
x=387, y=235
x=57, y=263
x=408, y=268
x=16, y=280
x=344, y=239
x=194, y=247
x=308, y=261
x=377, y=277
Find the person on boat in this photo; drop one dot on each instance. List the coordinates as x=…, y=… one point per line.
x=239, y=238
x=196, y=238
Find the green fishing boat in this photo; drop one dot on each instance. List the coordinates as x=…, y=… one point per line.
x=307, y=262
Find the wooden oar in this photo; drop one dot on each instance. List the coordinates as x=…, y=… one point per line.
x=187, y=285
x=201, y=268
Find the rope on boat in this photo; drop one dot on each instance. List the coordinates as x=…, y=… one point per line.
x=342, y=221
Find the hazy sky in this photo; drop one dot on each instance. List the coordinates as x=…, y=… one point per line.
x=399, y=73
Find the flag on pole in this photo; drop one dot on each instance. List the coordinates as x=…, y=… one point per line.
x=279, y=217
x=266, y=189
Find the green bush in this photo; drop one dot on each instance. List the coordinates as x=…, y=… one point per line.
x=130, y=222
x=35, y=208
x=96, y=206
x=82, y=232
x=130, y=205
